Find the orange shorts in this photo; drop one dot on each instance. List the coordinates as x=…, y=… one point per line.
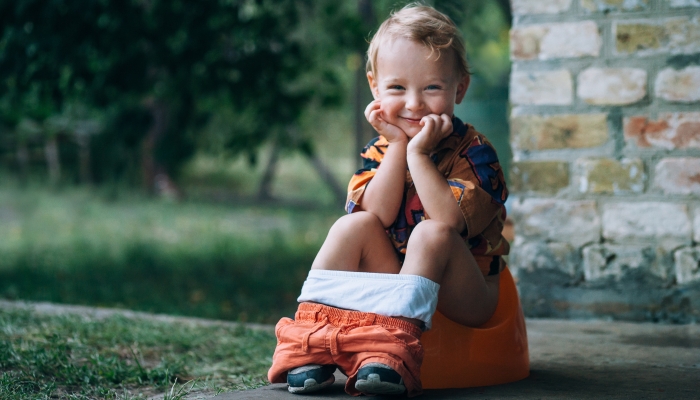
x=326, y=335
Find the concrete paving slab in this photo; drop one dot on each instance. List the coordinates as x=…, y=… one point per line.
x=577, y=360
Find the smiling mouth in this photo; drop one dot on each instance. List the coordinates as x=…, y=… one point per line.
x=412, y=120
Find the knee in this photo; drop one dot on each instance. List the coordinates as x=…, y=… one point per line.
x=431, y=232
x=359, y=221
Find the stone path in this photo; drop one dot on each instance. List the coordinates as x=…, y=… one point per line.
x=578, y=360
x=568, y=360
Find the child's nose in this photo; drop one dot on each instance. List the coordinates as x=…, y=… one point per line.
x=413, y=101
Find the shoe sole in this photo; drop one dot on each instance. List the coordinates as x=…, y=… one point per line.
x=374, y=385
x=310, y=386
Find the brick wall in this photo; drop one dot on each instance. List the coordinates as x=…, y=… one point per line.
x=605, y=180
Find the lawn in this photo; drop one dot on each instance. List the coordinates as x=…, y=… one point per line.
x=77, y=357
x=212, y=255
x=76, y=246
x=107, y=248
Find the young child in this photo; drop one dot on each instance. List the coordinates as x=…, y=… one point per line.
x=423, y=229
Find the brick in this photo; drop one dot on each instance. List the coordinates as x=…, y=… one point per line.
x=548, y=41
x=614, y=5
x=683, y=34
x=541, y=87
x=696, y=225
x=536, y=132
x=612, y=86
x=658, y=222
x=687, y=265
x=525, y=42
x=618, y=261
x=684, y=3
x=678, y=85
x=572, y=222
x=538, y=256
x=630, y=38
x=679, y=175
x=674, y=35
x=522, y=7
x=669, y=130
x=606, y=175
x=539, y=176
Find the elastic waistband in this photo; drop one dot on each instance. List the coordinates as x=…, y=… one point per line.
x=315, y=312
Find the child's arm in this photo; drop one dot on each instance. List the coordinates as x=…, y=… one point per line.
x=432, y=187
x=383, y=197
x=475, y=180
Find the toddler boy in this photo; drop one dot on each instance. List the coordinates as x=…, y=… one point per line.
x=423, y=229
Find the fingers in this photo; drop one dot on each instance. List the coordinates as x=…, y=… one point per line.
x=428, y=123
x=446, y=124
x=435, y=128
x=392, y=133
x=438, y=124
x=372, y=108
x=375, y=118
x=373, y=114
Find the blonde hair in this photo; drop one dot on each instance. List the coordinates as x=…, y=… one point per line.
x=422, y=24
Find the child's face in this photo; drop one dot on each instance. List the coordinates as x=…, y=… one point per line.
x=411, y=83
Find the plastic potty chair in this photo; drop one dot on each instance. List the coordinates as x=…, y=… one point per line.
x=456, y=356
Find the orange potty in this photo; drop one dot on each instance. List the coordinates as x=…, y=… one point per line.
x=457, y=356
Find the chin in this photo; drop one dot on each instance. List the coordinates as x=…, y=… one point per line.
x=410, y=130
x=412, y=134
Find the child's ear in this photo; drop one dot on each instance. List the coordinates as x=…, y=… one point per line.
x=372, y=84
x=462, y=87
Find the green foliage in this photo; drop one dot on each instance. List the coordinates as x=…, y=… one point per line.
x=250, y=56
x=261, y=62
x=71, y=356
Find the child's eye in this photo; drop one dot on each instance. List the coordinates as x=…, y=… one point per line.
x=396, y=87
x=433, y=87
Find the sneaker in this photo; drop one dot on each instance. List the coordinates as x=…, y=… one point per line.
x=310, y=378
x=376, y=378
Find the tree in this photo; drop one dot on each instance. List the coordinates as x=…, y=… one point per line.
x=169, y=58
x=158, y=70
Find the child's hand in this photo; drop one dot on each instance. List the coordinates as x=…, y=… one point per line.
x=435, y=128
x=391, y=133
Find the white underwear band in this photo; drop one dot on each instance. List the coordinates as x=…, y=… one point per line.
x=391, y=295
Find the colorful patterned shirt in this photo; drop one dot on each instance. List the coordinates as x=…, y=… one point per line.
x=469, y=163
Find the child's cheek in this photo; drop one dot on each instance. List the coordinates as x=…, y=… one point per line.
x=390, y=110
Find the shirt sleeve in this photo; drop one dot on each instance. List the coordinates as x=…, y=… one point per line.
x=478, y=184
x=372, y=155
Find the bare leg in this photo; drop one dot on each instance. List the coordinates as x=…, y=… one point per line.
x=357, y=242
x=437, y=252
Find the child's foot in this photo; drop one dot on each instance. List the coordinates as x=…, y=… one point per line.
x=376, y=378
x=310, y=378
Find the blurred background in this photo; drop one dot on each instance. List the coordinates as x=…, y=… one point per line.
x=189, y=157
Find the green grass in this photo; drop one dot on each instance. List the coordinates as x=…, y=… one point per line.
x=104, y=247
x=75, y=357
x=214, y=261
